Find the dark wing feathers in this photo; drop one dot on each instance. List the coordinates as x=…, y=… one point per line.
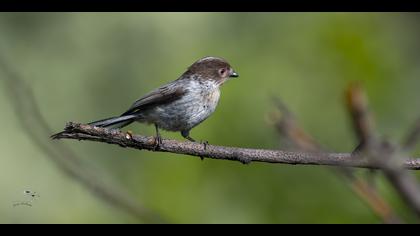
x=162, y=95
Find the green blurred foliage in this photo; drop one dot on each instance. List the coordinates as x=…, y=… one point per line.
x=88, y=66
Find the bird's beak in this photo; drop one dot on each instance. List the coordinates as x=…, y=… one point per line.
x=233, y=74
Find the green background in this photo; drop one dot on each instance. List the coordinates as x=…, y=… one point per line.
x=88, y=66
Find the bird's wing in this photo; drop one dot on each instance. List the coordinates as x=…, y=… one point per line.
x=162, y=95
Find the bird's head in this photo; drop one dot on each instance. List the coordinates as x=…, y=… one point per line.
x=212, y=68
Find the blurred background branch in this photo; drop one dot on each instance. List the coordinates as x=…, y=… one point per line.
x=290, y=131
x=21, y=96
x=380, y=152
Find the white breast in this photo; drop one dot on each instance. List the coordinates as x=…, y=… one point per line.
x=193, y=108
x=204, y=97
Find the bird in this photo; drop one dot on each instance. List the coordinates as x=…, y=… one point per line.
x=180, y=105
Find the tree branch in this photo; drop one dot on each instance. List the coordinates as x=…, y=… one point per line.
x=244, y=155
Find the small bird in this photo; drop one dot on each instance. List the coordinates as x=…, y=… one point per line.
x=179, y=105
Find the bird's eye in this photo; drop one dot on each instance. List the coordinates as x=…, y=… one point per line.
x=222, y=72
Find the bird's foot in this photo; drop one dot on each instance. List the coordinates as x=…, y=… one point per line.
x=158, y=142
x=205, y=144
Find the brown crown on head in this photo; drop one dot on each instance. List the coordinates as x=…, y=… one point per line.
x=210, y=67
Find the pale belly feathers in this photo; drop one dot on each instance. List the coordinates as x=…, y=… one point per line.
x=193, y=108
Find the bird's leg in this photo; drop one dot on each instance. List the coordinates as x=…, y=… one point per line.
x=186, y=134
x=158, y=138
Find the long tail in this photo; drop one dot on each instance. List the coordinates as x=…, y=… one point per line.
x=115, y=122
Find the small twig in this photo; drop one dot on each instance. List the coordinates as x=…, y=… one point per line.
x=360, y=114
x=245, y=155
